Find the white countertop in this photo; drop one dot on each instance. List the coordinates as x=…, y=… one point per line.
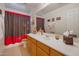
x=59, y=45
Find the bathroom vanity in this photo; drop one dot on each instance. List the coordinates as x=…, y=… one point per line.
x=48, y=45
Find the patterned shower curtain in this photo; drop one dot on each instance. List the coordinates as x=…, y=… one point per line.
x=16, y=27
x=40, y=23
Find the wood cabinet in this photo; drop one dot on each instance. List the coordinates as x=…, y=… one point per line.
x=43, y=47
x=40, y=52
x=33, y=49
x=31, y=39
x=53, y=52
x=37, y=48
x=31, y=46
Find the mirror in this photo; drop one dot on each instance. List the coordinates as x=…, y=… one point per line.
x=68, y=19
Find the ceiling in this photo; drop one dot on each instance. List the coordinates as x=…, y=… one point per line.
x=51, y=7
x=24, y=7
x=36, y=8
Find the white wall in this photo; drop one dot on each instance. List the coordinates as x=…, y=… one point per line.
x=1, y=34
x=69, y=18
x=2, y=25
x=2, y=29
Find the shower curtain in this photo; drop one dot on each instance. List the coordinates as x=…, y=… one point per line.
x=40, y=23
x=16, y=27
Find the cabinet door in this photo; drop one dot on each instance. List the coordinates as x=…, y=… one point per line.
x=31, y=39
x=43, y=47
x=29, y=45
x=33, y=49
x=40, y=52
x=55, y=53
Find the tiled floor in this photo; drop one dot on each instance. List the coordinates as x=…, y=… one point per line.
x=16, y=51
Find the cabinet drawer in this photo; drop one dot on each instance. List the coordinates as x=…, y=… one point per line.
x=40, y=52
x=55, y=53
x=43, y=47
x=31, y=39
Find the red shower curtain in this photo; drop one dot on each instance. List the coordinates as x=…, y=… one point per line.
x=14, y=39
x=16, y=27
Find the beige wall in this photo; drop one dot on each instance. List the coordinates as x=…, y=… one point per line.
x=1, y=34
x=1, y=29
x=69, y=18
